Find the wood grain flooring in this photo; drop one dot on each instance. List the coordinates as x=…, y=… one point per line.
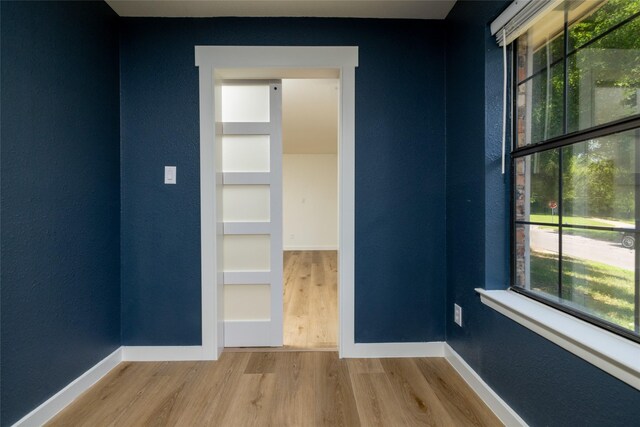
x=310, y=298
x=280, y=389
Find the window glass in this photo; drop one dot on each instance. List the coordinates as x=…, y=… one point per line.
x=540, y=106
x=598, y=275
x=576, y=172
x=583, y=259
x=536, y=187
x=541, y=46
x=604, y=78
x=599, y=181
x=590, y=19
x=537, y=258
x=601, y=82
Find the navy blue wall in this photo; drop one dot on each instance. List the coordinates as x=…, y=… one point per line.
x=400, y=175
x=545, y=384
x=60, y=284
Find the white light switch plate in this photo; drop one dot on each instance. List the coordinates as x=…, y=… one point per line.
x=169, y=174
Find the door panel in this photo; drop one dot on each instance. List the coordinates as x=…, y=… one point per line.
x=247, y=252
x=245, y=153
x=246, y=203
x=247, y=302
x=246, y=102
x=252, y=213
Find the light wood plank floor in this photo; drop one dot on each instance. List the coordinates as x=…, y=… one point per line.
x=310, y=299
x=280, y=389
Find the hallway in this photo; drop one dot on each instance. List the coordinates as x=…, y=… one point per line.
x=310, y=299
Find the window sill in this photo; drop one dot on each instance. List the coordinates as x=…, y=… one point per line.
x=613, y=354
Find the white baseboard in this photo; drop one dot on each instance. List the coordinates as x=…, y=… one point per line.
x=256, y=334
x=64, y=397
x=499, y=407
x=165, y=353
x=396, y=349
x=311, y=248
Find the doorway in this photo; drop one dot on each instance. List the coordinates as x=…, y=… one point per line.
x=288, y=62
x=278, y=144
x=310, y=212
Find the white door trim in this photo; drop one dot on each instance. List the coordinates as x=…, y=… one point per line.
x=208, y=60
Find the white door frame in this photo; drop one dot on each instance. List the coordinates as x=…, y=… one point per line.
x=208, y=60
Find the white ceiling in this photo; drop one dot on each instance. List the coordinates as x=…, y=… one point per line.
x=309, y=116
x=411, y=9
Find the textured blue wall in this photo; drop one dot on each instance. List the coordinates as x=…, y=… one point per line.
x=400, y=187
x=545, y=384
x=61, y=198
x=60, y=284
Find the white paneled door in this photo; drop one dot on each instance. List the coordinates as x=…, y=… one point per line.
x=250, y=135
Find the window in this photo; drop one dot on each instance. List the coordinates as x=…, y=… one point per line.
x=576, y=162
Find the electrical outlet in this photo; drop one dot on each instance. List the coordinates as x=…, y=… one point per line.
x=457, y=314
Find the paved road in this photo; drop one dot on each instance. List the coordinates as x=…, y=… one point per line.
x=583, y=247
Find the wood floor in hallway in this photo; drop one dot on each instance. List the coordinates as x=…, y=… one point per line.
x=280, y=389
x=310, y=299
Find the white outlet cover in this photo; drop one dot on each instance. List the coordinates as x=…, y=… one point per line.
x=457, y=314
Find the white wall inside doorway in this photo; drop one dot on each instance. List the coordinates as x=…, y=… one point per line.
x=310, y=163
x=310, y=196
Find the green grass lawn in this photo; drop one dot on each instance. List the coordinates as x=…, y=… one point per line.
x=600, y=289
x=607, y=236
x=571, y=220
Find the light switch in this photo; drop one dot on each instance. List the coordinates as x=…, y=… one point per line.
x=169, y=174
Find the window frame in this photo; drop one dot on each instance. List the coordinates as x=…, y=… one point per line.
x=564, y=140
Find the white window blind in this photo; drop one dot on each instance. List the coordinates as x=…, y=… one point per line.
x=519, y=17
